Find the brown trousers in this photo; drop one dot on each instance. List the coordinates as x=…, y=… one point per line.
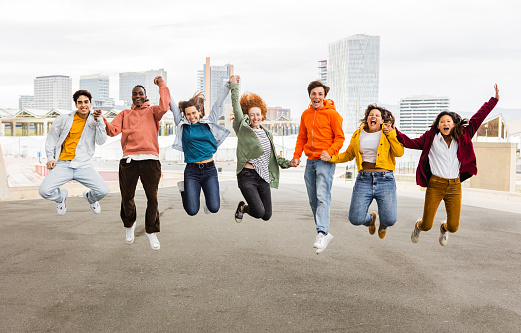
x=448, y=190
x=150, y=173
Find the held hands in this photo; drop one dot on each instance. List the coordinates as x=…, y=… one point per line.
x=51, y=165
x=234, y=79
x=497, y=91
x=387, y=128
x=324, y=156
x=295, y=162
x=96, y=114
x=158, y=79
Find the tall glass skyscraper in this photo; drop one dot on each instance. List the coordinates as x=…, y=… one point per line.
x=213, y=78
x=353, y=68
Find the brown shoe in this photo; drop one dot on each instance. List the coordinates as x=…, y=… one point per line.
x=372, y=226
x=381, y=232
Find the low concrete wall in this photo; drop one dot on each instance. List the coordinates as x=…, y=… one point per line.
x=496, y=166
x=4, y=185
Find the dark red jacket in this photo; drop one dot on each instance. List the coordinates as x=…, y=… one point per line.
x=466, y=154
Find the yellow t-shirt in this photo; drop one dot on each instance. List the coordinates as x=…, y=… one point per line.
x=71, y=141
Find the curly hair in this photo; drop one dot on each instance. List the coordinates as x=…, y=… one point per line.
x=197, y=100
x=251, y=100
x=387, y=115
x=459, y=123
x=79, y=93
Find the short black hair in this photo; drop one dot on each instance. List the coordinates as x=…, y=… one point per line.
x=140, y=86
x=316, y=84
x=79, y=93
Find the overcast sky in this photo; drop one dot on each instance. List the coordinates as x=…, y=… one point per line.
x=450, y=48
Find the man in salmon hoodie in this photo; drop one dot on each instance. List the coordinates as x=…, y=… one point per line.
x=139, y=128
x=320, y=133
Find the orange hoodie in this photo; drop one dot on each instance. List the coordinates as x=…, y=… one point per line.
x=140, y=126
x=320, y=130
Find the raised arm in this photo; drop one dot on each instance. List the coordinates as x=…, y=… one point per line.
x=217, y=107
x=164, y=99
x=175, y=111
x=478, y=118
x=237, y=110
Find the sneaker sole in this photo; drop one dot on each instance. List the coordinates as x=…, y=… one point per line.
x=320, y=250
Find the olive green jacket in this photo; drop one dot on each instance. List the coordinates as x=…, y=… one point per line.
x=248, y=144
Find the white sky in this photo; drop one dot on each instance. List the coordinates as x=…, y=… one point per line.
x=451, y=48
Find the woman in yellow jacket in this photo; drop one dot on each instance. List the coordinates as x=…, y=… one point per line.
x=375, y=146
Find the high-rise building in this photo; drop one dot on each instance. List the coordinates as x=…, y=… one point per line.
x=211, y=79
x=128, y=80
x=53, y=92
x=25, y=102
x=98, y=86
x=353, y=75
x=418, y=112
x=322, y=71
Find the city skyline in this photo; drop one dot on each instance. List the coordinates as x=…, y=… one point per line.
x=461, y=56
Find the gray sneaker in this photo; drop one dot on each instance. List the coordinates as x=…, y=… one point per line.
x=444, y=235
x=61, y=206
x=415, y=236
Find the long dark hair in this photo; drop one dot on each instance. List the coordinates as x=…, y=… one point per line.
x=387, y=115
x=459, y=123
x=197, y=100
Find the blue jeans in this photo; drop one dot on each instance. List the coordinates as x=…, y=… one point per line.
x=374, y=185
x=197, y=176
x=62, y=173
x=319, y=179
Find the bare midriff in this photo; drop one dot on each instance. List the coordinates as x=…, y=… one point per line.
x=371, y=167
x=248, y=165
x=205, y=161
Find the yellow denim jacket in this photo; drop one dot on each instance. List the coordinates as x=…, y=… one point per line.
x=388, y=149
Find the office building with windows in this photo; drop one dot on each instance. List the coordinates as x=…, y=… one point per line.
x=418, y=112
x=353, y=75
x=211, y=80
x=322, y=71
x=98, y=86
x=128, y=80
x=53, y=92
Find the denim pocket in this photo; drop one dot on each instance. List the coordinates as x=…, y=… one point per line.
x=389, y=176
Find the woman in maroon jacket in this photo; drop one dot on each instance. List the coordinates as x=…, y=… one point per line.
x=446, y=160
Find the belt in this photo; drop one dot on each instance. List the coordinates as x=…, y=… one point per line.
x=200, y=165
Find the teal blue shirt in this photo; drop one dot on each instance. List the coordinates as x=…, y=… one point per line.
x=198, y=142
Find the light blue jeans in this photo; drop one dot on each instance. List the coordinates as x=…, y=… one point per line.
x=374, y=185
x=319, y=179
x=62, y=173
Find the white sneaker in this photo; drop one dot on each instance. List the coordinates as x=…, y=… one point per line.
x=61, y=206
x=130, y=234
x=324, y=241
x=415, y=235
x=154, y=242
x=96, y=208
x=181, y=186
x=317, y=240
x=444, y=235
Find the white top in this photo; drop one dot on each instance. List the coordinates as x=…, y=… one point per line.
x=369, y=145
x=141, y=157
x=443, y=159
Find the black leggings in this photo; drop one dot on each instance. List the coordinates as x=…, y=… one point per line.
x=256, y=192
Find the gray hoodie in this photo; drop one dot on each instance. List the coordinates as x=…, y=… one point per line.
x=93, y=133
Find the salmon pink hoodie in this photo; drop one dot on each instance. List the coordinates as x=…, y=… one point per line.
x=139, y=127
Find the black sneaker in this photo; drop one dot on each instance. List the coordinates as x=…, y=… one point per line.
x=239, y=213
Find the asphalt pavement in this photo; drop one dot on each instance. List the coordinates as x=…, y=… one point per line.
x=75, y=272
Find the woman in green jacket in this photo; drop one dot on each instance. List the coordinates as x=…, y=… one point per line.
x=257, y=162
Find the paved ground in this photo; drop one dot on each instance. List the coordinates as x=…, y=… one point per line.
x=75, y=272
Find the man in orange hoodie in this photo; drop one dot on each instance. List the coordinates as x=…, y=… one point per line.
x=320, y=133
x=139, y=128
